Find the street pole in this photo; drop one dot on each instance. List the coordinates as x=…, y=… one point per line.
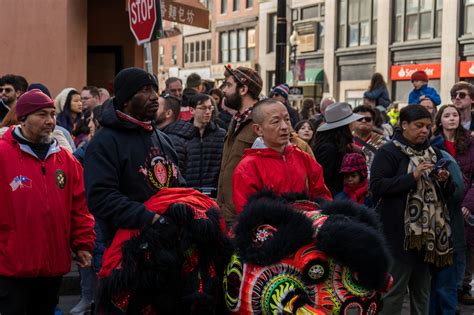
x=148, y=58
x=280, y=62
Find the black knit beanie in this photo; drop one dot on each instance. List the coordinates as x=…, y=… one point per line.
x=128, y=82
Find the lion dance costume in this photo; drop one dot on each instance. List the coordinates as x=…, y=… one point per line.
x=294, y=257
x=287, y=255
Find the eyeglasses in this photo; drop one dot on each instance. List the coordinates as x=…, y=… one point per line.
x=7, y=90
x=366, y=119
x=460, y=94
x=206, y=108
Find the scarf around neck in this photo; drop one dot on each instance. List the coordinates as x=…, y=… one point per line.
x=427, y=224
x=357, y=192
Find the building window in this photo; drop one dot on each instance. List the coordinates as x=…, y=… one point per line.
x=235, y=5
x=174, y=55
x=270, y=79
x=186, y=53
x=374, y=23
x=191, y=53
x=203, y=51
x=271, y=33
x=251, y=44
x=162, y=53
x=242, y=45
x=224, y=47
x=310, y=12
x=233, y=46
x=197, y=51
x=320, y=33
x=223, y=6
x=248, y=3
x=236, y=45
x=417, y=19
x=356, y=27
x=294, y=15
x=208, y=50
x=469, y=17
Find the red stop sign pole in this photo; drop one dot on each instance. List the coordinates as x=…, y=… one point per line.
x=145, y=23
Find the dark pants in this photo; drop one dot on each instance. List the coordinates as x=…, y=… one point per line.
x=29, y=295
x=417, y=279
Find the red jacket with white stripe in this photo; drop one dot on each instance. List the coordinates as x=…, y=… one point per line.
x=43, y=212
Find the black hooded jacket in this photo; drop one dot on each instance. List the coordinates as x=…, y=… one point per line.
x=124, y=166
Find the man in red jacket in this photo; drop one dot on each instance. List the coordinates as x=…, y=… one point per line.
x=273, y=163
x=43, y=213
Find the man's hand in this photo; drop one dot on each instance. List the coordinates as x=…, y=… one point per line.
x=84, y=258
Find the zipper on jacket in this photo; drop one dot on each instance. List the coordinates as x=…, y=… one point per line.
x=43, y=168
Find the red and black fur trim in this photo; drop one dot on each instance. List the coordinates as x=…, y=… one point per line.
x=173, y=267
x=293, y=229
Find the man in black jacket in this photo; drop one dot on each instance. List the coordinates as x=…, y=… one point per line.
x=129, y=160
x=178, y=131
x=205, y=147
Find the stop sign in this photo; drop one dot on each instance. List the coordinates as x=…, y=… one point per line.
x=143, y=19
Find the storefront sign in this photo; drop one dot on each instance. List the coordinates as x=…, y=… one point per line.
x=466, y=69
x=306, y=42
x=217, y=71
x=185, y=12
x=404, y=72
x=296, y=93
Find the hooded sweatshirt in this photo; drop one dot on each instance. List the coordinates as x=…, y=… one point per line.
x=125, y=164
x=292, y=171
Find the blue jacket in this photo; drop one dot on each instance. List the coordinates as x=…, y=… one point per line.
x=380, y=95
x=431, y=93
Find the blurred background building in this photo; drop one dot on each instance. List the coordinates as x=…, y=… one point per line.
x=334, y=46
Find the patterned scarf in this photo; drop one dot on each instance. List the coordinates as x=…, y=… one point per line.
x=240, y=118
x=426, y=215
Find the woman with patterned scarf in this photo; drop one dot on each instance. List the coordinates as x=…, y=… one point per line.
x=411, y=203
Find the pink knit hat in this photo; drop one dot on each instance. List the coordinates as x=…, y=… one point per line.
x=31, y=102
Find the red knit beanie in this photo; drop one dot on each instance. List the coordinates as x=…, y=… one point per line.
x=31, y=102
x=419, y=75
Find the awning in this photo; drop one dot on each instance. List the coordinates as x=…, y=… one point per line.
x=310, y=76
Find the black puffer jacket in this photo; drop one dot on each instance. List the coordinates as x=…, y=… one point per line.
x=180, y=132
x=204, y=157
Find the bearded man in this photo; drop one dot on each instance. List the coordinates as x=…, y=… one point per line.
x=242, y=88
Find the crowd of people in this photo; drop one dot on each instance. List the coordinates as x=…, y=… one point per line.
x=81, y=166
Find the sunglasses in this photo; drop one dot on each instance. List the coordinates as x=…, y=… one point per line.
x=7, y=90
x=460, y=94
x=366, y=119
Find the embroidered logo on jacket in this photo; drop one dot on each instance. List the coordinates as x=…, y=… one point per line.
x=20, y=181
x=159, y=171
x=60, y=179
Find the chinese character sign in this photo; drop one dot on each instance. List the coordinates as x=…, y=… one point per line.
x=194, y=14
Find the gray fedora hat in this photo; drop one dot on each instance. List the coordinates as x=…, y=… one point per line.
x=338, y=115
